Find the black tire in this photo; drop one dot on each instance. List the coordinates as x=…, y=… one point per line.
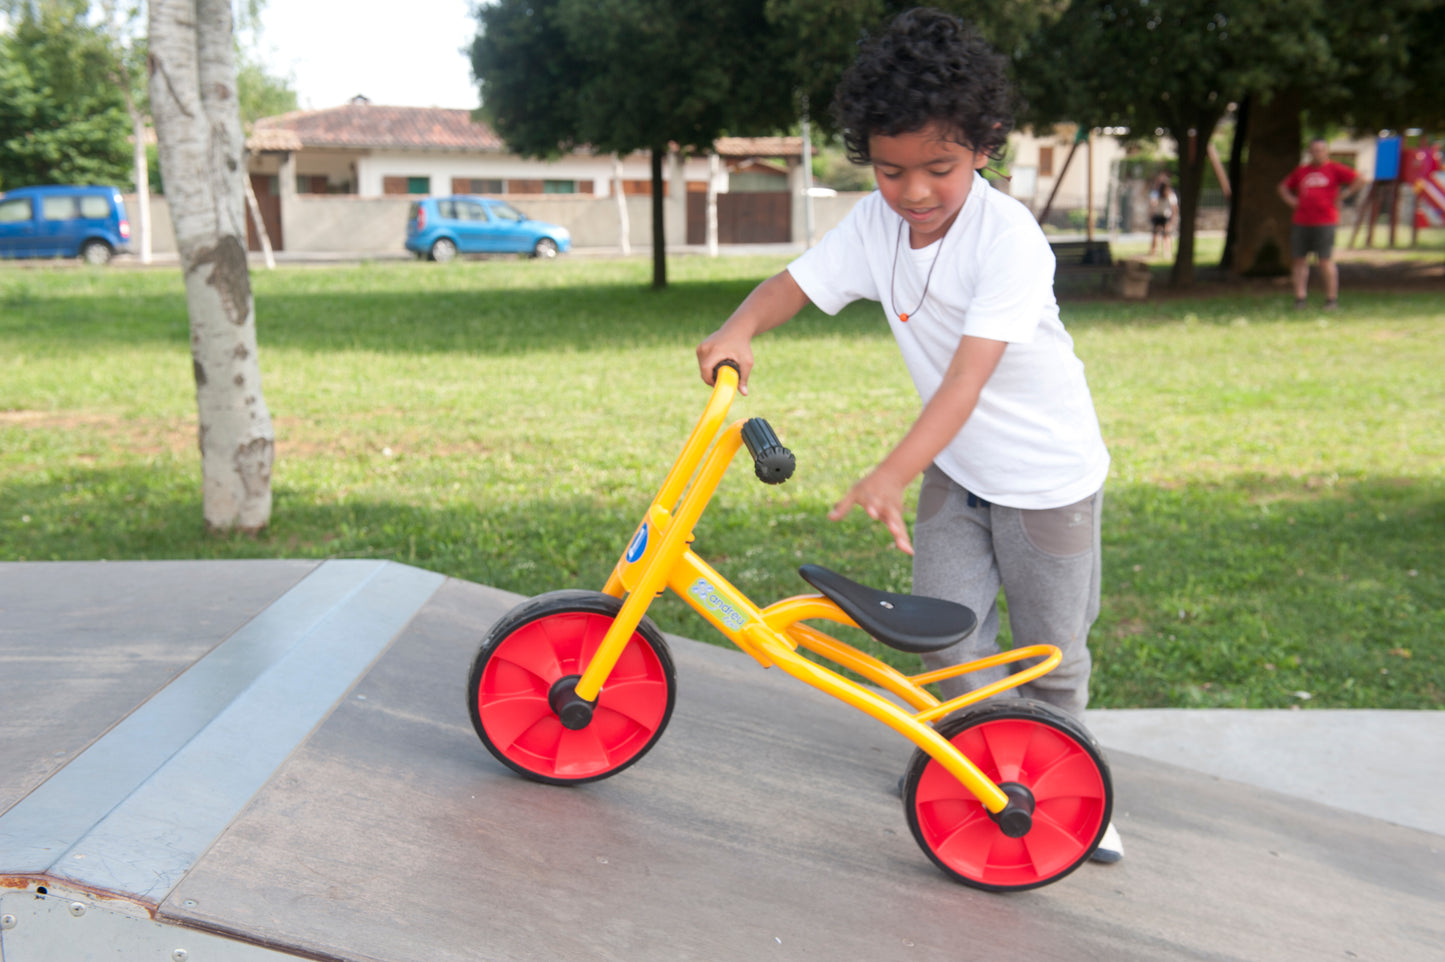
x=546, y=249
x=96, y=252
x=544, y=641
x=1016, y=742
x=443, y=249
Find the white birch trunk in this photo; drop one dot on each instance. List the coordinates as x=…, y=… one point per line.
x=198, y=123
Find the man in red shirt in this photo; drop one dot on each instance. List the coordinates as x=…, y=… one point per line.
x=1313, y=190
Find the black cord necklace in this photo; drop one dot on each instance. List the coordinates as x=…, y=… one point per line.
x=903, y=316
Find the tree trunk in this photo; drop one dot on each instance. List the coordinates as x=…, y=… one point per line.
x=659, y=222
x=1191, y=145
x=1236, y=173
x=198, y=124
x=1273, y=146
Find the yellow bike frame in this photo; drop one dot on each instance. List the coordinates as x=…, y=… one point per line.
x=659, y=557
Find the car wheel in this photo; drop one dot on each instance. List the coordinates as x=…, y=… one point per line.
x=443, y=250
x=546, y=249
x=96, y=252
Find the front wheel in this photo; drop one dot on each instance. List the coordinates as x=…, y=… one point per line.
x=549, y=640
x=546, y=249
x=1025, y=747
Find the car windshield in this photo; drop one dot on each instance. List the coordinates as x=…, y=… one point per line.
x=507, y=212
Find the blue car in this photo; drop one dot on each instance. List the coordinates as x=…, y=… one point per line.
x=85, y=222
x=443, y=227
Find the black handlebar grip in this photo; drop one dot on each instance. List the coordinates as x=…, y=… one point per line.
x=726, y=362
x=772, y=462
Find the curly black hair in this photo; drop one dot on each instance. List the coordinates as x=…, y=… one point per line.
x=926, y=67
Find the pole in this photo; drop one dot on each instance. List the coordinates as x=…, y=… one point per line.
x=624, y=224
x=807, y=175
x=714, y=171
x=1058, y=182
x=255, y=210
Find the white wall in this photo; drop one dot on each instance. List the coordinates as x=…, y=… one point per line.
x=351, y=224
x=1032, y=187
x=442, y=167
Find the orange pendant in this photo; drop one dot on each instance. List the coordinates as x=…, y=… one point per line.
x=903, y=318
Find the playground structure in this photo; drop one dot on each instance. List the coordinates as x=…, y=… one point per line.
x=1416, y=172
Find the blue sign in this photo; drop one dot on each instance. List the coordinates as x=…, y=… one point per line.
x=1387, y=159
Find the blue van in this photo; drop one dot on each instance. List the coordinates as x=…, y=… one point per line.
x=85, y=222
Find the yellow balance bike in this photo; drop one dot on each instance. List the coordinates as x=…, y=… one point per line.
x=572, y=686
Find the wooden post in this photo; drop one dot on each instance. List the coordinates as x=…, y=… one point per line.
x=1058, y=181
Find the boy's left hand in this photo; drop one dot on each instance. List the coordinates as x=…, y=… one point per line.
x=883, y=500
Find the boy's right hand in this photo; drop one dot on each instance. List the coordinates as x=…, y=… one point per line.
x=718, y=348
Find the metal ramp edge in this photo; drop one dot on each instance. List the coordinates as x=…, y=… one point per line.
x=125, y=819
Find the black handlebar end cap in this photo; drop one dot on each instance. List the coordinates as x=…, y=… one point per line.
x=772, y=463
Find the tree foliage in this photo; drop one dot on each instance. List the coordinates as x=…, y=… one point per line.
x=1171, y=67
x=619, y=76
x=261, y=94
x=62, y=115
x=1174, y=66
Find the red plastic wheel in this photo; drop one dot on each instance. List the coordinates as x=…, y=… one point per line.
x=1024, y=743
x=552, y=637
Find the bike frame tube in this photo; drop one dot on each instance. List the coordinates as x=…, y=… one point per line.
x=883, y=675
x=1051, y=657
x=730, y=611
x=658, y=564
x=880, y=708
x=713, y=416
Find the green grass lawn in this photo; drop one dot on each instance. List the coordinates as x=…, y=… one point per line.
x=1275, y=517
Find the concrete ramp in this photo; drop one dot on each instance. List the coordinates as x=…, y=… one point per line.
x=248, y=760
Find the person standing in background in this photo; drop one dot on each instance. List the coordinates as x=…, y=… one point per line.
x=1313, y=190
x=1163, y=206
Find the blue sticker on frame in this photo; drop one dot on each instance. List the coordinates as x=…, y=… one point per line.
x=638, y=546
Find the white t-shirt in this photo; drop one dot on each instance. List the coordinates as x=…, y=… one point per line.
x=1033, y=440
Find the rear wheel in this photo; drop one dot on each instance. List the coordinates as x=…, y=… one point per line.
x=1029, y=749
x=540, y=647
x=546, y=249
x=96, y=252
x=443, y=250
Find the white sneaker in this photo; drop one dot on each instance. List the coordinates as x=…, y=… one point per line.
x=1111, y=847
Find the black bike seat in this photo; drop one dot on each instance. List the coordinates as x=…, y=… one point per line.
x=905, y=622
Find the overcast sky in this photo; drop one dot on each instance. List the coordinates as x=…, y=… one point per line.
x=406, y=54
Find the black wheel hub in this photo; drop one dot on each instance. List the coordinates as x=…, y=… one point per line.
x=1017, y=817
x=574, y=712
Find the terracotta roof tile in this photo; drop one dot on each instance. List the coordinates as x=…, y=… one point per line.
x=759, y=146
x=365, y=125
x=372, y=126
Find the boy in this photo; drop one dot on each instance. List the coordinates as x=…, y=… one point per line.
x=1008, y=443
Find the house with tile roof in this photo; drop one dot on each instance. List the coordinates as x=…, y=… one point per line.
x=341, y=179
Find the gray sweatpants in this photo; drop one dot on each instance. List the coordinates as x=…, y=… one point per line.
x=1048, y=564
